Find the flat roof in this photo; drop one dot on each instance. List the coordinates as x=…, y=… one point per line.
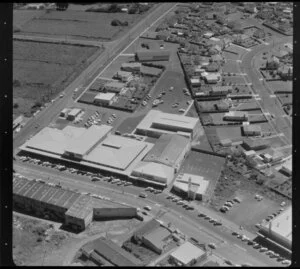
x=149, y=53
x=83, y=143
x=157, y=117
x=115, y=84
x=157, y=236
x=282, y=224
x=167, y=149
x=74, y=111
x=105, y=96
x=187, y=252
x=117, y=152
x=252, y=128
x=198, y=184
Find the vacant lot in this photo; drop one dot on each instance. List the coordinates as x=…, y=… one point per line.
x=232, y=133
x=230, y=67
x=281, y=86
x=20, y=17
x=234, y=80
x=42, y=70
x=79, y=24
x=285, y=99
x=206, y=165
x=230, y=56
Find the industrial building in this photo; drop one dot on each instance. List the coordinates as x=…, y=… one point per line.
x=73, y=209
x=191, y=186
x=170, y=150
x=131, y=67
x=187, y=255
x=257, y=144
x=114, y=86
x=94, y=147
x=252, y=130
x=156, y=123
x=153, y=55
x=105, y=99
x=106, y=252
x=279, y=230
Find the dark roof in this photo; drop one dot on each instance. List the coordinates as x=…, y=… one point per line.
x=147, y=228
x=167, y=149
x=113, y=253
x=250, y=143
x=152, y=53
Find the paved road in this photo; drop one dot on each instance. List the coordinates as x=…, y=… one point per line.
x=280, y=124
x=43, y=118
x=229, y=247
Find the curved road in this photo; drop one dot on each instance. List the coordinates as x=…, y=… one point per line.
x=281, y=124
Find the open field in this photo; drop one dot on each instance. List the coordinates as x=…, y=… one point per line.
x=232, y=133
x=230, y=67
x=231, y=56
x=21, y=17
x=78, y=24
x=42, y=70
x=206, y=165
x=281, y=86
x=234, y=80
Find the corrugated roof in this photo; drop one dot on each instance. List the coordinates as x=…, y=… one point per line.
x=67, y=194
x=34, y=189
x=167, y=149
x=26, y=188
x=252, y=128
x=157, y=236
x=18, y=184
x=45, y=194
x=81, y=208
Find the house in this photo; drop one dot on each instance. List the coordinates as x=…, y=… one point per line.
x=113, y=86
x=212, y=78
x=220, y=90
x=208, y=34
x=286, y=72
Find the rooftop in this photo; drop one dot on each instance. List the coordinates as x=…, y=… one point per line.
x=149, y=53
x=105, y=96
x=81, y=208
x=114, y=84
x=187, y=252
x=198, y=184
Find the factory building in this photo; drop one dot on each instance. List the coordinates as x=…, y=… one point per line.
x=105, y=99
x=187, y=255
x=94, y=147
x=170, y=150
x=156, y=123
x=153, y=55
x=279, y=230
x=192, y=186
x=73, y=209
x=257, y=144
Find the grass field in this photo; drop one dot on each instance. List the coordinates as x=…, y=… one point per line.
x=281, y=86
x=233, y=133
x=230, y=67
x=43, y=70
x=78, y=24
x=235, y=80
x=208, y=166
x=231, y=56
x=285, y=99
x=21, y=17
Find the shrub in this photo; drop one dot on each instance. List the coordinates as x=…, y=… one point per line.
x=16, y=105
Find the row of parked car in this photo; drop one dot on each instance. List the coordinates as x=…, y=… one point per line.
x=229, y=204
x=179, y=201
x=262, y=249
x=151, y=189
x=211, y=220
x=93, y=119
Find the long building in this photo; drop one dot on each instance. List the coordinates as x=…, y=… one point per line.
x=279, y=230
x=73, y=209
x=156, y=123
x=153, y=55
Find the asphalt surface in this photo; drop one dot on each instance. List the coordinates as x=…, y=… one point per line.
x=228, y=246
x=280, y=124
x=44, y=117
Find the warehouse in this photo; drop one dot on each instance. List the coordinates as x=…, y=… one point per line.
x=197, y=189
x=153, y=55
x=74, y=209
x=114, y=87
x=252, y=130
x=105, y=99
x=73, y=114
x=124, y=76
x=279, y=230
x=153, y=172
x=156, y=123
x=131, y=67
x=187, y=255
x=111, y=252
x=287, y=168
x=92, y=147
x=150, y=71
x=170, y=150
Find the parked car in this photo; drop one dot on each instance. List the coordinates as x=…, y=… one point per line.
x=147, y=208
x=212, y=245
x=142, y=195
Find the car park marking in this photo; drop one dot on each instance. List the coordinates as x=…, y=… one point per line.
x=240, y=247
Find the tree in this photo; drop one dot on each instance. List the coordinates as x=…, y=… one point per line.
x=16, y=105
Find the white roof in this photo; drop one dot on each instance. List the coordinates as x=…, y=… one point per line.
x=74, y=111
x=105, y=96
x=117, y=152
x=187, y=252
x=199, y=185
x=174, y=120
x=159, y=172
x=54, y=140
x=82, y=144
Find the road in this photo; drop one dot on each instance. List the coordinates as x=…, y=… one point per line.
x=280, y=124
x=229, y=247
x=43, y=118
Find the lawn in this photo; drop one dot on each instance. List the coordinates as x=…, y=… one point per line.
x=80, y=24
x=281, y=86
x=42, y=70
x=21, y=17
x=233, y=133
x=230, y=67
x=285, y=99
x=234, y=80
